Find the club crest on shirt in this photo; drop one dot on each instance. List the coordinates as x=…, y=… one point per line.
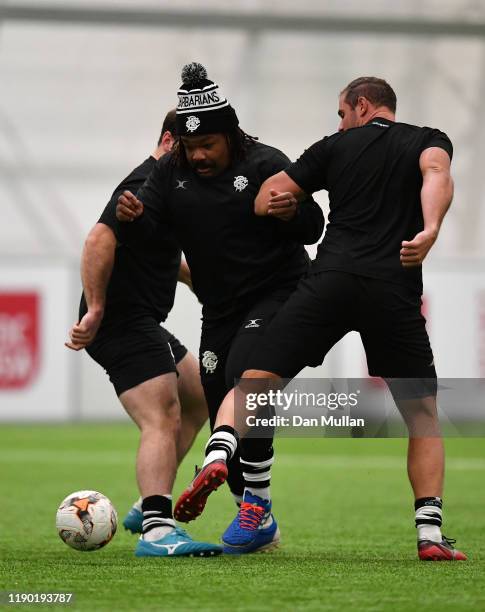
x=209, y=361
x=240, y=183
x=192, y=123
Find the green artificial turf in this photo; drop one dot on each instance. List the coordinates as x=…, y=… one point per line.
x=343, y=505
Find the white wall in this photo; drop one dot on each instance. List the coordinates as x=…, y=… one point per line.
x=82, y=105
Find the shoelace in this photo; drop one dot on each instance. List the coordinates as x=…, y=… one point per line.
x=449, y=541
x=250, y=516
x=197, y=470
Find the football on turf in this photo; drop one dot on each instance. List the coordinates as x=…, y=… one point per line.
x=86, y=520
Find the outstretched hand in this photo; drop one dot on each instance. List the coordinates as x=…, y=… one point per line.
x=129, y=207
x=84, y=332
x=282, y=205
x=414, y=251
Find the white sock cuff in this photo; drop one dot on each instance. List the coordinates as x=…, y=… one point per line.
x=258, y=464
x=261, y=477
x=427, y=512
x=226, y=437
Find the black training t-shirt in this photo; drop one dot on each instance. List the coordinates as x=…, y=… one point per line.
x=374, y=181
x=144, y=278
x=234, y=255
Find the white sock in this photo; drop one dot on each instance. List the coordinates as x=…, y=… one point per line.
x=263, y=493
x=157, y=533
x=429, y=532
x=257, y=477
x=137, y=504
x=221, y=445
x=157, y=517
x=215, y=455
x=428, y=518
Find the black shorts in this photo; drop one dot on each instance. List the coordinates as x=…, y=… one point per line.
x=328, y=305
x=136, y=351
x=227, y=344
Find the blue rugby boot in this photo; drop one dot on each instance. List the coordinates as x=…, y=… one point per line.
x=253, y=530
x=133, y=521
x=177, y=543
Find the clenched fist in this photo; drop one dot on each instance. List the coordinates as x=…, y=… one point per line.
x=282, y=205
x=129, y=207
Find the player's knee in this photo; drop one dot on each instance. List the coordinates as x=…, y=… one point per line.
x=194, y=408
x=421, y=417
x=259, y=374
x=198, y=420
x=162, y=416
x=424, y=407
x=171, y=413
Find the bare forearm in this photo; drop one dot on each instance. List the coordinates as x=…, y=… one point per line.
x=280, y=182
x=97, y=264
x=436, y=197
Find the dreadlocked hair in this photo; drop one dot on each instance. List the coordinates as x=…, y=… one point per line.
x=239, y=143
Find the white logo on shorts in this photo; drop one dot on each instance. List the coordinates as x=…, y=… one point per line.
x=209, y=361
x=240, y=183
x=192, y=123
x=253, y=323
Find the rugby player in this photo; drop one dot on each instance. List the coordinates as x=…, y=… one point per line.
x=389, y=187
x=126, y=295
x=243, y=266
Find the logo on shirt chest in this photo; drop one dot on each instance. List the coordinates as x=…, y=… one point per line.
x=181, y=184
x=240, y=183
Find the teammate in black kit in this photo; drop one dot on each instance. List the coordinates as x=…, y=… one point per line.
x=243, y=266
x=389, y=187
x=126, y=295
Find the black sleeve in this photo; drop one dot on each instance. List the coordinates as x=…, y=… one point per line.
x=153, y=196
x=273, y=162
x=108, y=216
x=310, y=170
x=441, y=140
x=132, y=183
x=307, y=225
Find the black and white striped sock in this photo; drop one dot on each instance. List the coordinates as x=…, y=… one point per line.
x=429, y=517
x=157, y=517
x=221, y=445
x=257, y=475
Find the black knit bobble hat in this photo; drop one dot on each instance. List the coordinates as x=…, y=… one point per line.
x=202, y=108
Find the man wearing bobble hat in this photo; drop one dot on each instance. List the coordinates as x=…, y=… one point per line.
x=243, y=266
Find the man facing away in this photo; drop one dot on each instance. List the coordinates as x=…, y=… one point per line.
x=243, y=266
x=389, y=188
x=126, y=296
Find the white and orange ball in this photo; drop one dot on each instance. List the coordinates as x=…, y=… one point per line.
x=86, y=520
